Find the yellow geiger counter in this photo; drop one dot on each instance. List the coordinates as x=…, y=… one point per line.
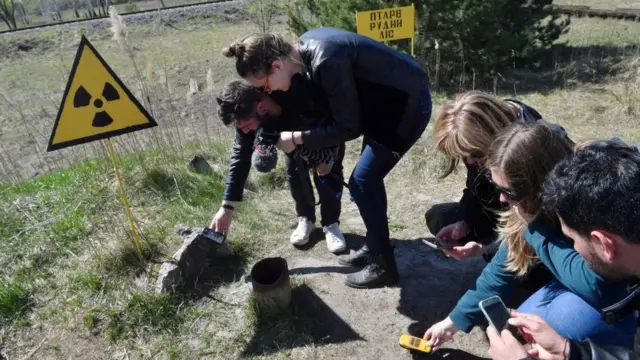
x=414, y=343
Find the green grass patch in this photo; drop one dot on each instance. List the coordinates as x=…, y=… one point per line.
x=89, y=281
x=274, y=179
x=16, y=300
x=146, y=313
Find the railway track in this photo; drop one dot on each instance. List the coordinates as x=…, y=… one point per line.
x=571, y=10
x=188, y=8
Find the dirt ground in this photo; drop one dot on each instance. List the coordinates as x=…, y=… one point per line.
x=365, y=324
x=332, y=320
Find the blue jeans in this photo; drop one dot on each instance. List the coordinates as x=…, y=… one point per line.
x=366, y=184
x=574, y=319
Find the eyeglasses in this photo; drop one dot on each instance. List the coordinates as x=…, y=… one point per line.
x=266, y=88
x=476, y=156
x=508, y=193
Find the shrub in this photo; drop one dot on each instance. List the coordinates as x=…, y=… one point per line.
x=456, y=40
x=264, y=13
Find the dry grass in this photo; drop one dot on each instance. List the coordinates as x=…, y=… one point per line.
x=68, y=15
x=72, y=278
x=602, y=4
x=33, y=83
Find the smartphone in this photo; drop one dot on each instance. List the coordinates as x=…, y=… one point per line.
x=496, y=312
x=439, y=243
x=414, y=343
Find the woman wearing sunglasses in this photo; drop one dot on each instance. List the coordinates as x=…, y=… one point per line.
x=369, y=89
x=464, y=130
x=519, y=160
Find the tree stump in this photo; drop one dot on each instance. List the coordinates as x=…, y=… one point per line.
x=271, y=286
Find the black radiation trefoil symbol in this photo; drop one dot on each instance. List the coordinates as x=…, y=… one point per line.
x=83, y=98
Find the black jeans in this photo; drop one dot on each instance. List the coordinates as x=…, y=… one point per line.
x=329, y=190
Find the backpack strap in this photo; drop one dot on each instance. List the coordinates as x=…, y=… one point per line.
x=527, y=113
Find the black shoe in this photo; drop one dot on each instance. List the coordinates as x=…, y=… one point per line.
x=361, y=257
x=382, y=272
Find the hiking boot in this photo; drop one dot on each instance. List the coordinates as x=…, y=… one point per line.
x=302, y=233
x=334, y=238
x=361, y=257
x=382, y=272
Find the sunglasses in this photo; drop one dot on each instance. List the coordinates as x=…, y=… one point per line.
x=266, y=87
x=476, y=156
x=508, y=193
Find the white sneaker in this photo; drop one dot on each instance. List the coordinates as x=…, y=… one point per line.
x=301, y=234
x=335, y=240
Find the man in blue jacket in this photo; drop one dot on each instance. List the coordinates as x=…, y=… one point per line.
x=596, y=195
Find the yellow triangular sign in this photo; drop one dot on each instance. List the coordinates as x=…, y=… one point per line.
x=96, y=104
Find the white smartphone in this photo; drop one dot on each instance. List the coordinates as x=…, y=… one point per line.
x=438, y=244
x=496, y=312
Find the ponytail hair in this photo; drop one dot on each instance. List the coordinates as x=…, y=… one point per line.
x=255, y=53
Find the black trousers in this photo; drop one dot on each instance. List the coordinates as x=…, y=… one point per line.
x=329, y=190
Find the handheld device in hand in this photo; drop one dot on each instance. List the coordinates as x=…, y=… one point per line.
x=439, y=243
x=496, y=312
x=214, y=236
x=414, y=343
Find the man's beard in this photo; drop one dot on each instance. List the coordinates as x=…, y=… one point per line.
x=607, y=271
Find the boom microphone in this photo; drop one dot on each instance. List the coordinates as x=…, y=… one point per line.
x=264, y=158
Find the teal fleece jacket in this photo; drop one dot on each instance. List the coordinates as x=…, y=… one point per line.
x=558, y=254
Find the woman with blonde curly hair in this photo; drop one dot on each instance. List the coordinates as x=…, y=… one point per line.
x=519, y=160
x=464, y=130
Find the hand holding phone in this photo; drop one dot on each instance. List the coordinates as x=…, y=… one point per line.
x=498, y=316
x=496, y=312
x=439, y=244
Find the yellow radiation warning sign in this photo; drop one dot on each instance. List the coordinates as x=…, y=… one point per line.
x=387, y=24
x=96, y=104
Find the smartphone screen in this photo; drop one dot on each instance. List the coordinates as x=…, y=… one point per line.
x=438, y=244
x=445, y=244
x=496, y=312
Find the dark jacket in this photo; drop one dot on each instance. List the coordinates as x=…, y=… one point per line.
x=586, y=350
x=367, y=86
x=559, y=256
x=300, y=111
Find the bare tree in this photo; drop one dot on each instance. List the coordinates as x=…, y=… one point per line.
x=24, y=16
x=263, y=13
x=55, y=12
x=8, y=13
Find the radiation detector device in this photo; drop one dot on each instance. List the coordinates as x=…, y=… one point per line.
x=414, y=343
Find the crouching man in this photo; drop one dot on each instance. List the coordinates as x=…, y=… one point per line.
x=251, y=111
x=595, y=193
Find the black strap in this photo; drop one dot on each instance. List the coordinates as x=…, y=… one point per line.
x=623, y=308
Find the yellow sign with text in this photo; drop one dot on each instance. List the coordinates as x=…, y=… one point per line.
x=96, y=104
x=387, y=24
